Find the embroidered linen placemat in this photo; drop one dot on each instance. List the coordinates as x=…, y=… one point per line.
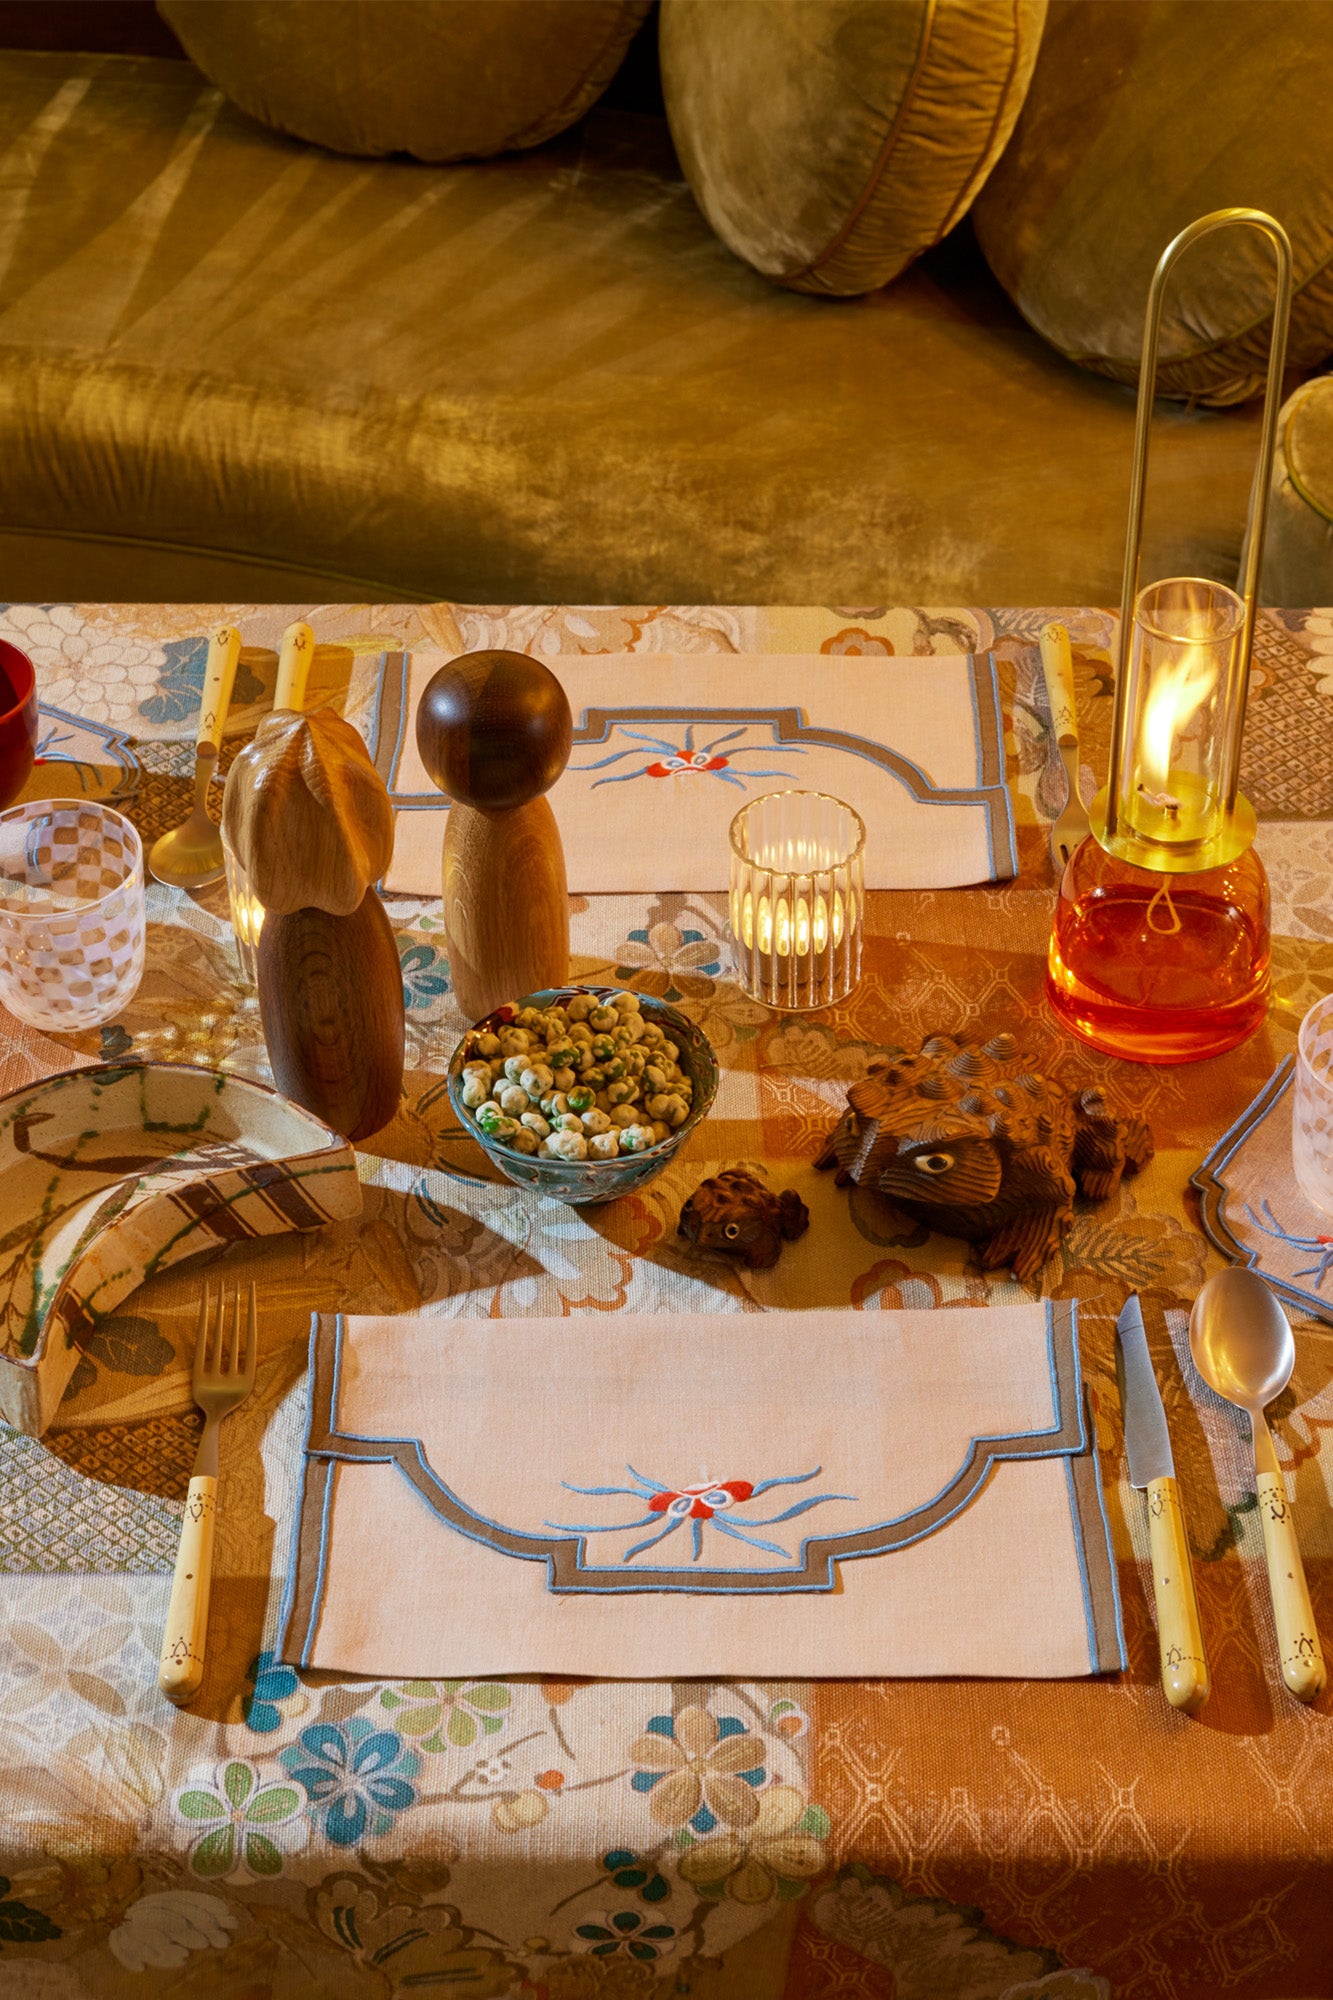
x=1252, y=1206
x=667, y=748
x=820, y=1493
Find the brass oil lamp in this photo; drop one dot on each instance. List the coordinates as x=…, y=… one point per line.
x=1160, y=946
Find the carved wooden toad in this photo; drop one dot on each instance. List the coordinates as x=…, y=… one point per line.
x=974, y=1142
x=735, y=1214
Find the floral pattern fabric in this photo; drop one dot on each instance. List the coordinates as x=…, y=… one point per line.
x=304, y=1836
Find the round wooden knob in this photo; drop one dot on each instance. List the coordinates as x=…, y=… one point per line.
x=494, y=730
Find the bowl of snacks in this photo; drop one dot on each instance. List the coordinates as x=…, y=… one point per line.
x=582, y=1092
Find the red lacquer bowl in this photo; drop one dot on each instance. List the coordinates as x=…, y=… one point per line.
x=18, y=721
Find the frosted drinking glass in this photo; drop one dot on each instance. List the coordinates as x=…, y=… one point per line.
x=72, y=927
x=247, y=913
x=1312, y=1112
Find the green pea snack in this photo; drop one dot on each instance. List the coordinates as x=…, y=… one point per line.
x=627, y=1098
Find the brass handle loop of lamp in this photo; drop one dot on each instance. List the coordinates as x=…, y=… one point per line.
x=1252, y=548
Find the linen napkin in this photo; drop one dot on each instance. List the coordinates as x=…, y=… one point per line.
x=1252, y=1207
x=668, y=748
x=817, y=1493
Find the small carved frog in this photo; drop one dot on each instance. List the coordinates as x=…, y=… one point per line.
x=974, y=1142
x=735, y=1214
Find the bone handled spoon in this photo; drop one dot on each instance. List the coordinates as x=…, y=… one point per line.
x=294, y=662
x=1242, y=1346
x=190, y=856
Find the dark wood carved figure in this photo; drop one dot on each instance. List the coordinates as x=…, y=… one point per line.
x=312, y=824
x=735, y=1214
x=974, y=1142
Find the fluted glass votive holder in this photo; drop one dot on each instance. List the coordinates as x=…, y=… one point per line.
x=1312, y=1110
x=72, y=918
x=797, y=899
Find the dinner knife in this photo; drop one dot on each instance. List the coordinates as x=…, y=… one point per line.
x=1151, y=1465
x=1057, y=665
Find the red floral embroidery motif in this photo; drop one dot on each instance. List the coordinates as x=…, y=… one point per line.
x=736, y=1489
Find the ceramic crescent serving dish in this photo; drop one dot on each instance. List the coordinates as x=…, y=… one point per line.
x=112, y=1173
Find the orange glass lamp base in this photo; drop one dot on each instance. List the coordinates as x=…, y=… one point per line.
x=1160, y=968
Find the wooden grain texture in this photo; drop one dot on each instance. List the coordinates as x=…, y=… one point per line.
x=506, y=904
x=494, y=731
x=308, y=815
x=331, y=1001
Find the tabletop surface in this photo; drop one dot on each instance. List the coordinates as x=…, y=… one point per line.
x=309, y=1835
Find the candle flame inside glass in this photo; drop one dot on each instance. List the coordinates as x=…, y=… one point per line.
x=1177, y=694
x=775, y=925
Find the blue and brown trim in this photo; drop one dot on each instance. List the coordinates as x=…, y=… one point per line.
x=790, y=727
x=570, y=1570
x=1210, y=1182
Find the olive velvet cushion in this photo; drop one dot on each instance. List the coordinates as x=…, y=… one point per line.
x=1142, y=115
x=829, y=142
x=439, y=79
x=236, y=367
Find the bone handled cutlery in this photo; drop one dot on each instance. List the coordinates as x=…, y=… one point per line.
x=1057, y=666
x=224, y=1374
x=1243, y=1347
x=1152, y=1467
x=294, y=663
x=190, y=856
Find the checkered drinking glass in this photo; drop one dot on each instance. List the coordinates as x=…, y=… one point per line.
x=71, y=913
x=1312, y=1111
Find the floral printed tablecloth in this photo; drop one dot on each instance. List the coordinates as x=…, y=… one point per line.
x=312, y=1836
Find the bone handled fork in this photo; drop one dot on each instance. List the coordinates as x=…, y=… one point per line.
x=223, y=1377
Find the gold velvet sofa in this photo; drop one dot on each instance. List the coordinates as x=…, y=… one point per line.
x=237, y=364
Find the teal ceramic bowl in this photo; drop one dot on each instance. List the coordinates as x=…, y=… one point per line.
x=583, y=1181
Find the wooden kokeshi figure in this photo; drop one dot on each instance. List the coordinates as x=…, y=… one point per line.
x=312, y=826
x=494, y=731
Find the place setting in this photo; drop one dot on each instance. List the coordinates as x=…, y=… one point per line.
x=796, y=1301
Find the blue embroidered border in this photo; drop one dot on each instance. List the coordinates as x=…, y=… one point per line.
x=1213, y=1192
x=565, y=1556
x=389, y=722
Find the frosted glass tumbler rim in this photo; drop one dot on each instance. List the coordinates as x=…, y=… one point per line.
x=41, y=900
x=72, y=912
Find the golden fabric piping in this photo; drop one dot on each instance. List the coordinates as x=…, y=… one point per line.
x=967, y=194
x=870, y=189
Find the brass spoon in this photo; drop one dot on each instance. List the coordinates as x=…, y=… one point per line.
x=190, y=856
x=1242, y=1346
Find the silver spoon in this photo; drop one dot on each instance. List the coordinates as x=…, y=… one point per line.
x=1242, y=1346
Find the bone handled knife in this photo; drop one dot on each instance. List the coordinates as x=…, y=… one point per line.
x=1057, y=665
x=1151, y=1465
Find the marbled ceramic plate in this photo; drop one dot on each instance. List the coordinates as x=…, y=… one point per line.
x=112, y=1173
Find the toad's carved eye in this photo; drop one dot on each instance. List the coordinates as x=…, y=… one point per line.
x=933, y=1163
x=732, y=1231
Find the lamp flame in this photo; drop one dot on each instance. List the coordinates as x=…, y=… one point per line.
x=1178, y=693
